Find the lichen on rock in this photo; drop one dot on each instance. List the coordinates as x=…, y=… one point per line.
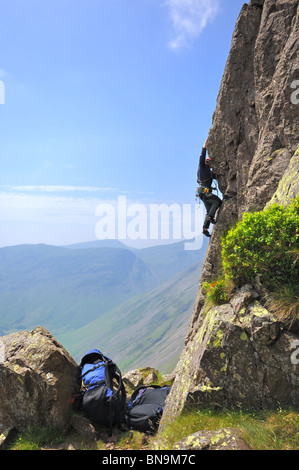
x=221, y=439
x=236, y=361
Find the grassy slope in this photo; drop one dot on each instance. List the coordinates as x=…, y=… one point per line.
x=146, y=330
x=128, y=302
x=267, y=430
x=61, y=288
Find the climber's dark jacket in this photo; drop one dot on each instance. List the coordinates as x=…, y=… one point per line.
x=205, y=175
x=205, y=178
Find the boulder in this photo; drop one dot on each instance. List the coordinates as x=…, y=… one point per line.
x=6, y=437
x=240, y=357
x=37, y=380
x=132, y=379
x=151, y=378
x=222, y=439
x=136, y=377
x=83, y=428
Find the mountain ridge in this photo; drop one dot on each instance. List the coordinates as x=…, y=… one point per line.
x=45, y=278
x=66, y=289
x=158, y=319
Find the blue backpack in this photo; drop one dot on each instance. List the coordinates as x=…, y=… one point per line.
x=104, y=395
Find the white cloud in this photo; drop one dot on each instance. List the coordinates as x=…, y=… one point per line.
x=189, y=18
x=46, y=218
x=43, y=208
x=39, y=214
x=57, y=189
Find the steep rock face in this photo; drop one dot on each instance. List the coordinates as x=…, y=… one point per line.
x=240, y=356
x=255, y=125
x=37, y=380
x=254, y=134
x=253, y=143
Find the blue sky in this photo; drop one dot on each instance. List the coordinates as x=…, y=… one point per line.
x=103, y=98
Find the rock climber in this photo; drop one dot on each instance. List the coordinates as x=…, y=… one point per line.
x=205, y=178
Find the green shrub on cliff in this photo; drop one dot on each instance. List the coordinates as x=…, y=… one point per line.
x=264, y=243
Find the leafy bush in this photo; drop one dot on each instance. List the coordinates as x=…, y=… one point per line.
x=264, y=243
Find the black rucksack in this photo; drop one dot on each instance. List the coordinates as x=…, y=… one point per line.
x=145, y=407
x=104, y=395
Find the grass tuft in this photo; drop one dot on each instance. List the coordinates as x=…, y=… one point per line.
x=262, y=430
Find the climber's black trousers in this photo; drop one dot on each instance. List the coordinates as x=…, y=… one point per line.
x=212, y=203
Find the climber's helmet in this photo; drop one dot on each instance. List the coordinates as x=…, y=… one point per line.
x=208, y=161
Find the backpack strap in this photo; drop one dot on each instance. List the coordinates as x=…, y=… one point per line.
x=109, y=372
x=117, y=401
x=122, y=392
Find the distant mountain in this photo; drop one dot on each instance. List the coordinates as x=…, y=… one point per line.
x=67, y=289
x=148, y=330
x=165, y=261
x=61, y=288
x=98, y=244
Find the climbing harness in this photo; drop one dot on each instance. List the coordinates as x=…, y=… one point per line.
x=201, y=190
